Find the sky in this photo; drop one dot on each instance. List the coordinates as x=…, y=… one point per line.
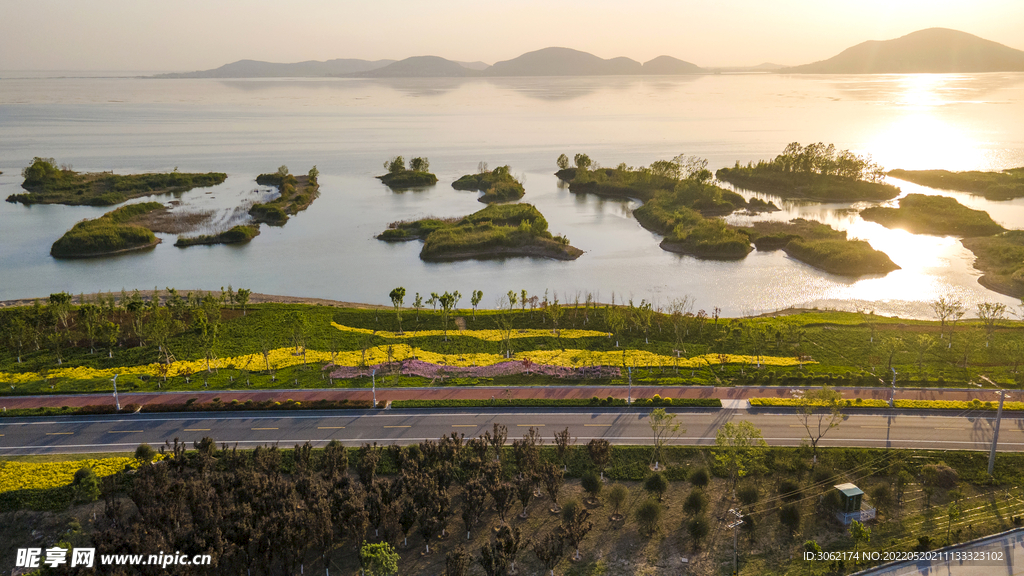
x=185, y=35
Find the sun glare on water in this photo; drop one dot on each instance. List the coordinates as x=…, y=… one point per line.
x=918, y=138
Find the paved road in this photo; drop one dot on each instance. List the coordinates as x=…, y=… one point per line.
x=1002, y=554
x=77, y=434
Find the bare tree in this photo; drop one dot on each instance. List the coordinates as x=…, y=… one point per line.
x=820, y=411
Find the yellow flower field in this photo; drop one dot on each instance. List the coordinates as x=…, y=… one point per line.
x=25, y=475
x=285, y=357
x=488, y=335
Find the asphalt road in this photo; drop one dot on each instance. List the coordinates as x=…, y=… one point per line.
x=114, y=433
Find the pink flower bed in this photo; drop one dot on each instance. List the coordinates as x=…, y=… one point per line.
x=512, y=367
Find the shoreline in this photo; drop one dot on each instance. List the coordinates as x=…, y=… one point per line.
x=111, y=253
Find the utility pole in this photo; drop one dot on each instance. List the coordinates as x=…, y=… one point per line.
x=118, y=402
x=995, y=434
x=373, y=375
x=892, y=395
x=735, y=549
x=629, y=393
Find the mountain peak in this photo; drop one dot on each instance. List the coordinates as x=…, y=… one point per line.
x=932, y=50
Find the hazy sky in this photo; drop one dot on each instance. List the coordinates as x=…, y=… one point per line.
x=182, y=35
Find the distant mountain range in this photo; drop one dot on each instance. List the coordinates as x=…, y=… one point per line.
x=935, y=50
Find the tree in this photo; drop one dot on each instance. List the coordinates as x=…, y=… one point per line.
x=456, y=562
x=419, y=164
x=617, y=495
x=492, y=560
x=378, y=559
x=664, y=428
x=282, y=171
x=860, y=534
x=700, y=478
x=553, y=477
x=948, y=309
x=397, y=297
x=698, y=528
x=990, y=314
x=497, y=439
x=475, y=299
x=600, y=452
x=576, y=525
x=952, y=512
x=656, y=485
x=696, y=502
x=109, y=333
x=242, y=297
x=739, y=447
x=591, y=484
x=820, y=411
x=648, y=516
x=394, y=165
x=563, y=442
x=510, y=542
x=473, y=496
x=448, y=302
x=524, y=491
x=563, y=162
x=550, y=549
x=582, y=162
x=502, y=493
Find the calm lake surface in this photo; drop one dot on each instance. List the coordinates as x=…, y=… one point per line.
x=348, y=127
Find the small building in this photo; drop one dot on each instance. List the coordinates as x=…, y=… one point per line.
x=852, y=505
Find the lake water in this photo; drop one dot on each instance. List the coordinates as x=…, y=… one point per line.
x=348, y=127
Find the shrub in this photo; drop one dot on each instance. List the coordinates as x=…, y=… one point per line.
x=656, y=484
x=617, y=495
x=695, y=503
x=747, y=494
x=939, y=475
x=648, y=516
x=145, y=453
x=86, y=486
x=698, y=527
x=789, y=516
x=700, y=478
x=592, y=484
x=789, y=490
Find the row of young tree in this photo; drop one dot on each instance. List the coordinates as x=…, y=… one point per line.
x=107, y=322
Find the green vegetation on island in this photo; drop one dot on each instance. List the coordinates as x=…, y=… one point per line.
x=499, y=230
x=1001, y=259
x=708, y=238
x=1005, y=185
x=821, y=246
x=235, y=235
x=114, y=232
x=49, y=184
x=401, y=178
x=296, y=194
x=925, y=214
x=498, y=185
x=815, y=171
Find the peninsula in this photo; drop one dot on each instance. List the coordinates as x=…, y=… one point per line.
x=1005, y=185
x=1001, y=259
x=399, y=177
x=47, y=183
x=939, y=215
x=497, y=231
x=816, y=172
x=498, y=185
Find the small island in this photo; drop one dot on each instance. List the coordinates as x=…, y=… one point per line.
x=115, y=232
x=706, y=238
x=498, y=185
x=235, y=235
x=401, y=178
x=821, y=246
x=816, y=172
x=49, y=184
x=497, y=231
x=1005, y=185
x=1001, y=259
x=296, y=194
x=939, y=215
